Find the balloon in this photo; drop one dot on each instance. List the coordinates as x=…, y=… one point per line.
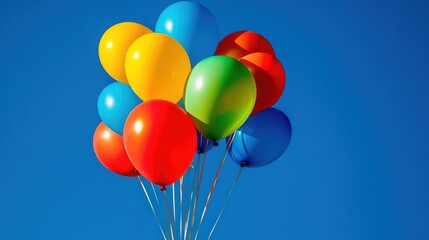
x=203, y=143
x=269, y=76
x=110, y=151
x=262, y=139
x=157, y=67
x=160, y=140
x=114, y=44
x=193, y=26
x=115, y=103
x=239, y=44
x=219, y=96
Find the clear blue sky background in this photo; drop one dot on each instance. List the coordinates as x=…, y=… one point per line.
x=357, y=94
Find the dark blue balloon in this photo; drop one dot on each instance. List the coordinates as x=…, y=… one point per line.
x=262, y=139
x=193, y=26
x=115, y=102
x=202, y=143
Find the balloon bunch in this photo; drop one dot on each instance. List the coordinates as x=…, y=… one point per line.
x=178, y=92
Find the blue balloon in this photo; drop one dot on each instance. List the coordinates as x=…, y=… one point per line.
x=115, y=102
x=193, y=26
x=202, y=143
x=262, y=139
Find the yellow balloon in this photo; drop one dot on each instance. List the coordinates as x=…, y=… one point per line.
x=114, y=44
x=157, y=67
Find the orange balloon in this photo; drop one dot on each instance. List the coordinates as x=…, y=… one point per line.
x=270, y=79
x=241, y=43
x=110, y=151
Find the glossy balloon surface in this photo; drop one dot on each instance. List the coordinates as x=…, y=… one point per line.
x=114, y=45
x=193, y=26
x=269, y=76
x=220, y=94
x=110, y=151
x=115, y=102
x=160, y=140
x=262, y=139
x=241, y=43
x=157, y=67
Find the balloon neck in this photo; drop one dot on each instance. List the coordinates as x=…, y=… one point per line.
x=163, y=188
x=243, y=163
x=215, y=143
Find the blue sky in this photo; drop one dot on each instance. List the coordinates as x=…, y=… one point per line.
x=356, y=94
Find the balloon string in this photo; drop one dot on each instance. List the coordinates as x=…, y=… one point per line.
x=193, y=194
x=156, y=195
x=186, y=225
x=188, y=207
x=151, y=206
x=201, y=142
x=167, y=209
x=226, y=201
x=174, y=203
x=159, y=209
x=228, y=146
x=198, y=189
x=181, y=208
x=186, y=184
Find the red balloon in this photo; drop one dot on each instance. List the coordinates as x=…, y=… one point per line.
x=269, y=76
x=160, y=140
x=239, y=44
x=109, y=148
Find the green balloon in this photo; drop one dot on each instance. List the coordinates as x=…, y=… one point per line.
x=219, y=96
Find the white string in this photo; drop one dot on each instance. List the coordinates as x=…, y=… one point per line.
x=198, y=189
x=174, y=204
x=188, y=205
x=154, y=193
x=226, y=201
x=167, y=209
x=151, y=206
x=181, y=207
x=228, y=146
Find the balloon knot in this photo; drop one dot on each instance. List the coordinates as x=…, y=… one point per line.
x=215, y=143
x=163, y=188
x=243, y=164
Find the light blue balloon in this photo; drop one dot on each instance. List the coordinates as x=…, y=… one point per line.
x=193, y=26
x=262, y=139
x=115, y=102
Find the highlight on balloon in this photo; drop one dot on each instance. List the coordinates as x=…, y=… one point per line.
x=179, y=94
